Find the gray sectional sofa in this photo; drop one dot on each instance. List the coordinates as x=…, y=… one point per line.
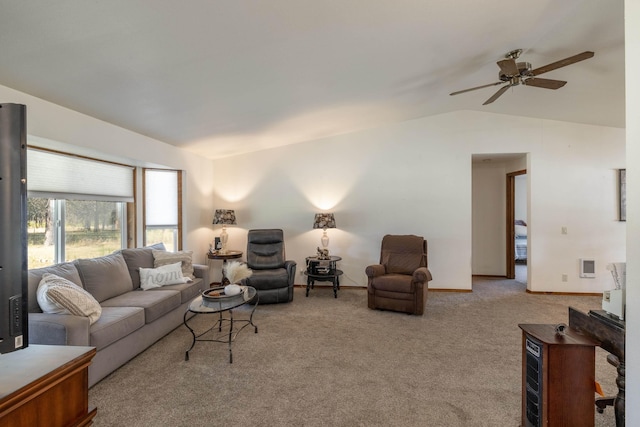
x=131, y=319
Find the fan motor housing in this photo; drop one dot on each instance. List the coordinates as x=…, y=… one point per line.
x=523, y=70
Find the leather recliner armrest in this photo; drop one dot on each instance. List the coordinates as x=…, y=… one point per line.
x=290, y=266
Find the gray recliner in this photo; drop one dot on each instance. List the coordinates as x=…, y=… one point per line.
x=272, y=276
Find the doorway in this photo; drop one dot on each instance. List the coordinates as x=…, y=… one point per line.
x=517, y=226
x=490, y=256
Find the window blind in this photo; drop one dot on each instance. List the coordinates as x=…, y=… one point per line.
x=60, y=176
x=161, y=198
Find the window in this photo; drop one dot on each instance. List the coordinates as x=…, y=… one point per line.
x=63, y=230
x=163, y=208
x=76, y=207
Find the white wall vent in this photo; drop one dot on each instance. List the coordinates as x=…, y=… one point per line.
x=587, y=268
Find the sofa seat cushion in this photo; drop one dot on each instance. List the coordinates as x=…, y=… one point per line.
x=268, y=279
x=105, y=277
x=155, y=303
x=397, y=283
x=114, y=324
x=188, y=291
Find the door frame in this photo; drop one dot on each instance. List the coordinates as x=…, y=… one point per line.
x=511, y=234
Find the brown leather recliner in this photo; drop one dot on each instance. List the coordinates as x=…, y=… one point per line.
x=399, y=282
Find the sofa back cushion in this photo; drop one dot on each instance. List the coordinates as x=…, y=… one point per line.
x=137, y=258
x=105, y=277
x=65, y=270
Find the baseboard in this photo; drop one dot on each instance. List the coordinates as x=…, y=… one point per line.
x=328, y=285
x=573, y=294
x=365, y=288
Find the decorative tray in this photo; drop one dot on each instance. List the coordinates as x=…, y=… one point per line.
x=217, y=294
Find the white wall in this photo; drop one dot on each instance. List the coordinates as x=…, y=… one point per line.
x=632, y=69
x=415, y=177
x=488, y=219
x=573, y=184
x=70, y=131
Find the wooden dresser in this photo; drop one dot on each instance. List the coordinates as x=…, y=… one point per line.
x=46, y=385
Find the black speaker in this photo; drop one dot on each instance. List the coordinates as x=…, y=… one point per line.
x=13, y=228
x=533, y=383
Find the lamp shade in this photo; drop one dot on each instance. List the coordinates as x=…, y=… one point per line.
x=224, y=217
x=324, y=221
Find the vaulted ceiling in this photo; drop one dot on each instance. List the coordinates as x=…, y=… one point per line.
x=227, y=77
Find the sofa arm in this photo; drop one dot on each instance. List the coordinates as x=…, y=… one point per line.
x=58, y=329
x=374, y=270
x=290, y=266
x=202, y=271
x=421, y=275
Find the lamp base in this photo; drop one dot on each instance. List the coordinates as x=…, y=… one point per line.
x=224, y=238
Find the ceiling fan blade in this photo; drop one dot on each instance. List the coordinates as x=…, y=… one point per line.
x=508, y=67
x=545, y=83
x=497, y=95
x=562, y=63
x=477, y=87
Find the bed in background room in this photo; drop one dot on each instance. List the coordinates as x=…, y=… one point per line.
x=520, y=240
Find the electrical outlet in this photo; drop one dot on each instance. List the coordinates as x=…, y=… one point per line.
x=564, y=230
x=565, y=278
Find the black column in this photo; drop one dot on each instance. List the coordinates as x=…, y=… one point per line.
x=13, y=228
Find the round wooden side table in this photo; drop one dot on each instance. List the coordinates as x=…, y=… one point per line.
x=224, y=257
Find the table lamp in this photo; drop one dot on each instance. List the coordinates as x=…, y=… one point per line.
x=224, y=217
x=324, y=221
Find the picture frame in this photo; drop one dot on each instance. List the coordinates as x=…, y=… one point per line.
x=217, y=243
x=622, y=194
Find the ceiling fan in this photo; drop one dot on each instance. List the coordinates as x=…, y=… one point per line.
x=513, y=73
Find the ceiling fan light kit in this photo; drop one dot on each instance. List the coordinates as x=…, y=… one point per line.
x=514, y=73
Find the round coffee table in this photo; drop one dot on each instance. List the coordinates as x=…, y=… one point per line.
x=201, y=305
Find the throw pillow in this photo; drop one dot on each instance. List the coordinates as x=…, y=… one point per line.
x=58, y=295
x=170, y=274
x=161, y=258
x=139, y=257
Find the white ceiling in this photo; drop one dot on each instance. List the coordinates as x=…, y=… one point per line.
x=227, y=77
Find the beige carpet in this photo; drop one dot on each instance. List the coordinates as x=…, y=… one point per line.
x=321, y=361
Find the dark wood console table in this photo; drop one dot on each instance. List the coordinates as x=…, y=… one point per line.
x=610, y=332
x=45, y=386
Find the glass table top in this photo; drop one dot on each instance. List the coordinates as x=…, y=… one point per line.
x=217, y=305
